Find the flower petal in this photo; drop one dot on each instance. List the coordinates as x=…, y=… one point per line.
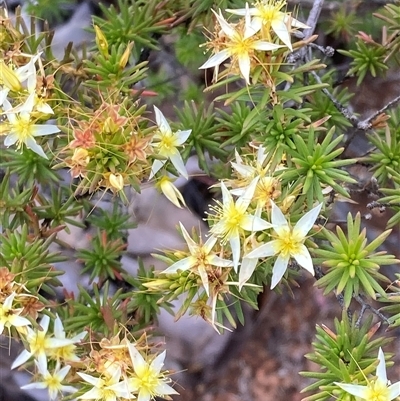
x=162, y=123
x=225, y=26
x=138, y=362
x=381, y=368
x=279, y=270
x=182, y=265
x=354, y=389
x=10, y=139
x=304, y=259
x=157, y=164
x=244, y=66
x=304, y=225
x=209, y=245
x=215, y=260
x=254, y=223
x=266, y=46
x=295, y=23
x=204, y=279
x=264, y=250
x=216, y=59
x=58, y=328
x=182, y=136
x=247, y=268
x=242, y=11
x=32, y=145
x=158, y=363
x=257, y=23
x=21, y=358
x=235, y=246
x=177, y=161
x=244, y=201
x=277, y=217
x=165, y=389
x=143, y=395
x=94, y=381
x=281, y=30
x=43, y=129
x=18, y=321
x=189, y=241
x=39, y=386
x=226, y=195
x=394, y=391
x=3, y=95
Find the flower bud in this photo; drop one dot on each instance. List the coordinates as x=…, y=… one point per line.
x=116, y=181
x=9, y=78
x=125, y=57
x=171, y=192
x=101, y=41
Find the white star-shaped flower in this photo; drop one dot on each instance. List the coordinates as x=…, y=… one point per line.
x=40, y=343
x=148, y=381
x=10, y=316
x=289, y=243
x=378, y=389
x=267, y=15
x=21, y=127
x=201, y=258
x=106, y=388
x=232, y=219
x=167, y=143
x=52, y=381
x=240, y=46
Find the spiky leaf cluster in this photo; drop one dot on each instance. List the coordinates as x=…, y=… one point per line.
x=315, y=165
x=347, y=354
x=352, y=263
x=366, y=58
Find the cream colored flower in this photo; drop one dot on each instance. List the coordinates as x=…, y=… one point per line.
x=289, y=243
x=240, y=46
x=107, y=387
x=52, y=381
x=166, y=144
x=267, y=15
x=21, y=127
x=148, y=382
x=39, y=343
x=170, y=191
x=9, y=316
x=200, y=259
x=232, y=219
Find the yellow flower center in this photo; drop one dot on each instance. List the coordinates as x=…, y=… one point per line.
x=107, y=394
x=288, y=243
x=38, y=344
x=377, y=391
x=233, y=219
x=53, y=383
x=23, y=128
x=241, y=47
x=148, y=381
x=270, y=11
x=167, y=144
x=201, y=257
